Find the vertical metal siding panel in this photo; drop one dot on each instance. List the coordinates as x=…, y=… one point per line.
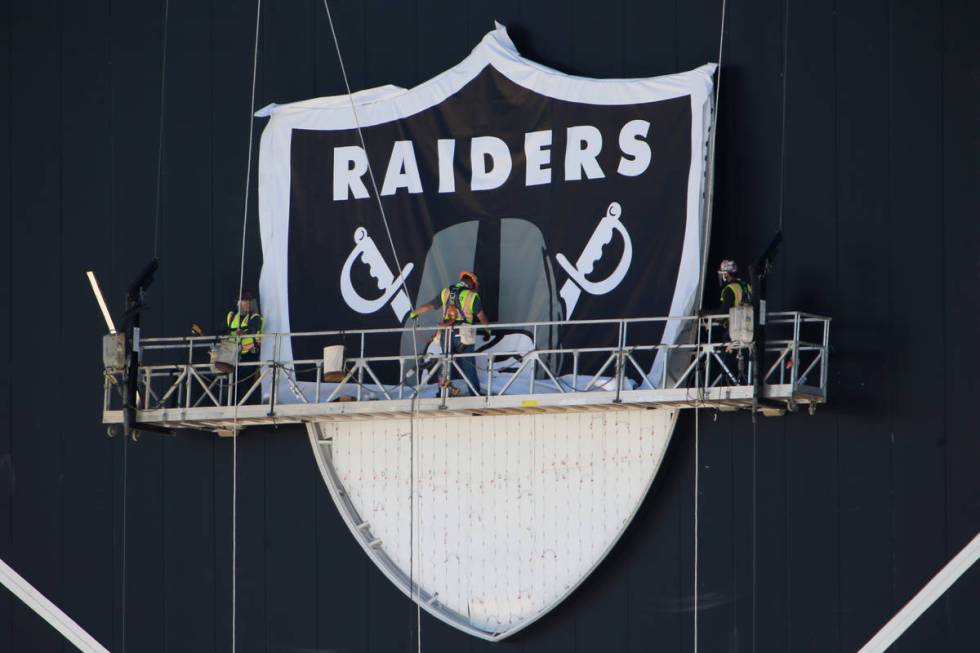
x=392, y=33
x=310, y=569
x=960, y=98
x=916, y=336
x=185, y=253
x=481, y=16
x=290, y=518
x=859, y=393
x=656, y=551
x=6, y=317
x=233, y=36
x=546, y=33
x=85, y=238
x=36, y=204
x=252, y=565
x=649, y=40
x=136, y=56
x=698, y=26
x=597, y=38
x=343, y=617
x=288, y=521
x=746, y=164
x=718, y=527
x=233, y=43
x=290, y=540
x=810, y=278
x=444, y=36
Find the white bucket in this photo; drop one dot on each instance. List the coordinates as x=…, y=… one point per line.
x=741, y=324
x=467, y=334
x=333, y=359
x=224, y=355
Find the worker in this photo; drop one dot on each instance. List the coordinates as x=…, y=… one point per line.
x=734, y=291
x=244, y=327
x=460, y=305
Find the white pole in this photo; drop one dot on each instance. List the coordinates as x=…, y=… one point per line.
x=99, y=298
x=48, y=611
x=926, y=597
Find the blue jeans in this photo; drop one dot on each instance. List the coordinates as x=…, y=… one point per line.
x=467, y=364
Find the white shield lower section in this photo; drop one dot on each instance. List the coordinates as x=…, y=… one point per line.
x=500, y=517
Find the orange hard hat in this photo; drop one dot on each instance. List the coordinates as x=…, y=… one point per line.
x=472, y=276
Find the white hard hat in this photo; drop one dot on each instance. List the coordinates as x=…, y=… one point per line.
x=728, y=266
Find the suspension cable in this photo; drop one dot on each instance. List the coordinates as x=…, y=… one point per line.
x=755, y=425
x=122, y=592
x=414, y=589
x=234, y=388
x=755, y=458
x=163, y=95
x=697, y=479
x=156, y=249
x=709, y=207
x=782, y=117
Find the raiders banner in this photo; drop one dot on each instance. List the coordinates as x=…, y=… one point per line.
x=570, y=198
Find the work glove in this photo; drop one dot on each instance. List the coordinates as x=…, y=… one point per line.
x=488, y=334
x=413, y=315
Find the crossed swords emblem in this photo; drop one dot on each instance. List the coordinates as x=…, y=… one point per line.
x=392, y=287
x=602, y=236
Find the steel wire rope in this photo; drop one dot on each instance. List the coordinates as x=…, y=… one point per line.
x=782, y=115
x=709, y=207
x=760, y=354
x=415, y=593
x=163, y=94
x=241, y=285
x=697, y=479
x=122, y=593
x=156, y=239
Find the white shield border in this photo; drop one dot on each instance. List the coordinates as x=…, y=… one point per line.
x=347, y=510
x=390, y=103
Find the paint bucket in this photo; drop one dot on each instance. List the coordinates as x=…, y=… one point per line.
x=333, y=363
x=224, y=355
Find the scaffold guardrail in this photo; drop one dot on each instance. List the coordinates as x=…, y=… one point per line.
x=625, y=366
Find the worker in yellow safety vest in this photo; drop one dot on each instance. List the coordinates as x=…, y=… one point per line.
x=460, y=304
x=245, y=326
x=734, y=291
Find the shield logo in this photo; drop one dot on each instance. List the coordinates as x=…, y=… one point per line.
x=500, y=517
x=573, y=200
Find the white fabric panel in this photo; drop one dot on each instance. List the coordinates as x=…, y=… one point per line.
x=388, y=103
x=511, y=512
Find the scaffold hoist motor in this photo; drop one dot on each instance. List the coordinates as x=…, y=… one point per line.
x=121, y=351
x=758, y=277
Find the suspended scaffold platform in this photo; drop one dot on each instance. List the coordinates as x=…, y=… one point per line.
x=623, y=365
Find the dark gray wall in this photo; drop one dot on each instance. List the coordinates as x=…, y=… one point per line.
x=857, y=506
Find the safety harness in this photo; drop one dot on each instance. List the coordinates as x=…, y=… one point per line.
x=457, y=304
